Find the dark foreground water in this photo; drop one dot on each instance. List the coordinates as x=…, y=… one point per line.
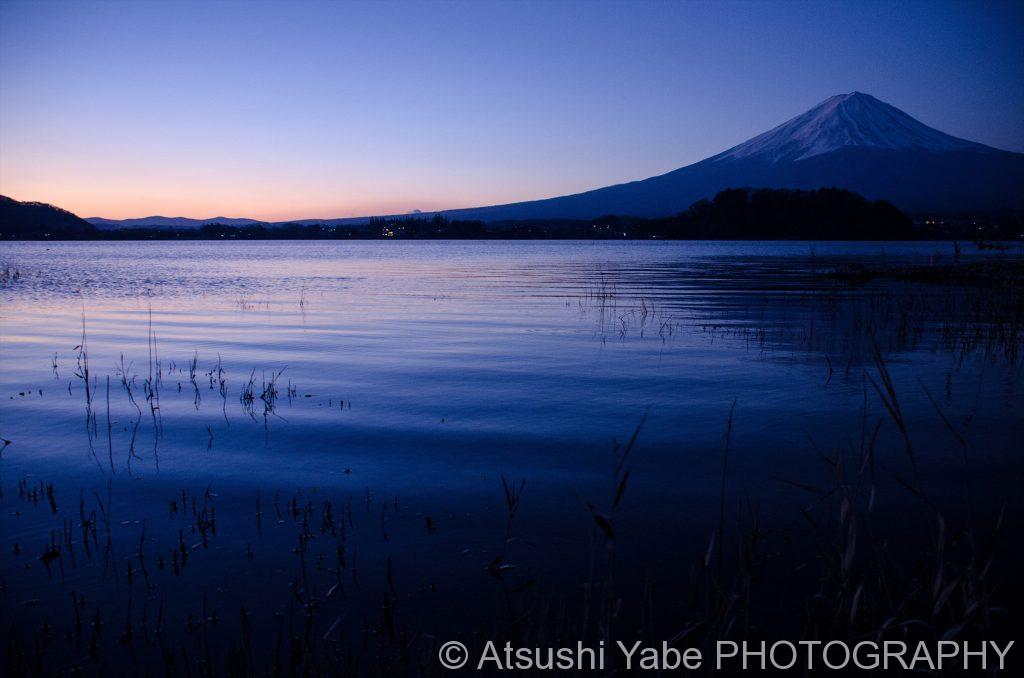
x=302, y=444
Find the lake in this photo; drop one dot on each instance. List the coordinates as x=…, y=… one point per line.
x=321, y=429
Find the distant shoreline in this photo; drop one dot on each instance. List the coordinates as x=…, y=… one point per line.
x=761, y=214
x=132, y=235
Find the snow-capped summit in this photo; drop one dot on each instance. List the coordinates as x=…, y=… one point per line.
x=843, y=121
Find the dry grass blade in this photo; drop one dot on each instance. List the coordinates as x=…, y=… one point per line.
x=938, y=410
x=629, y=446
x=621, y=489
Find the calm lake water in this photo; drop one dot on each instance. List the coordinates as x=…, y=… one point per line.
x=413, y=375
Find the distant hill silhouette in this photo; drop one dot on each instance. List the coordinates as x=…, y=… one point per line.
x=24, y=220
x=774, y=214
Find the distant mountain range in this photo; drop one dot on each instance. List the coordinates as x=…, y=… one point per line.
x=157, y=221
x=852, y=141
x=167, y=222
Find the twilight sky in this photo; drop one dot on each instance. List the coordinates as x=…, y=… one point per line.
x=316, y=110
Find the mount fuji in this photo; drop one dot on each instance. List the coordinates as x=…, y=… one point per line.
x=852, y=141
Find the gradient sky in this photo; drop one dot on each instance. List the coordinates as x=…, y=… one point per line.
x=317, y=110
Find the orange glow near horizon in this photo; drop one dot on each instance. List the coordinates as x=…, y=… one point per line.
x=114, y=179
x=127, y=201
x=283, y=208
x=130, y=188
